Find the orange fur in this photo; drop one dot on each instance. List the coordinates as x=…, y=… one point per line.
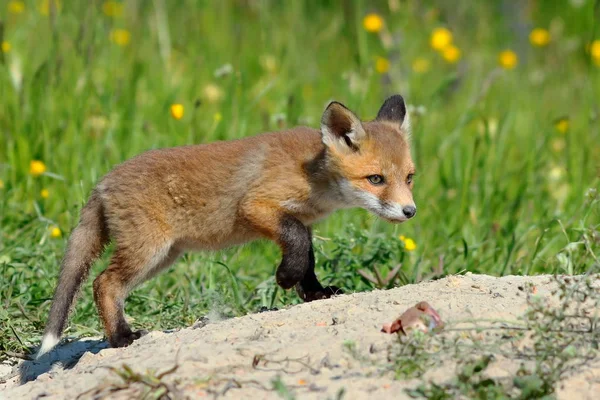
x=207, y=197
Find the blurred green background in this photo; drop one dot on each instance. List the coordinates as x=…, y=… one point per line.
x=503, y=98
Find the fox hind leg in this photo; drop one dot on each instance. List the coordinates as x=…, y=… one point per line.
x=126, y=270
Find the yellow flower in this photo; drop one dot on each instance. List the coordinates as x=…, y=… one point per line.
x=121, y=37
x=595, y=49
x=212, y=93
x=539, y=37
x=451, y=54
x=16, y=7
x=44, y=6
x=218, y=117
x=508, y=59
x=55, y=232
x=556, y=173
x=112, y=8
x=382, y=65
x=45, y=193
x=373, y=23
x=420, y=65
x=37, y=167
x=6, y=47
x=1, y=184
x=409, y=244
x=177, y=111
x=562, y=125
x=441, y=38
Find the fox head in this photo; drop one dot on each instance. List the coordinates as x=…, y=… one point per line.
x=371, y=161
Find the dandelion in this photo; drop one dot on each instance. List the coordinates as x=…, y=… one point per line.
x=55, y=232
x=45, y=193
x=373, y=23
x=121, y=37
x=218, y=117
x=36, y=168
x=595, y=51
x=508, y=59
x=212, y=93
x=224, y=70
x=409, y=244
x=556, y=173
x=420, y=65
x=382, y=65
x=44, y=6
x=451, y=54
x=1, y=184
x=441, y=38
x=177, y=111
x=16, y=7
x=112, y=9
x=562, y=125
x=6, y=47
x=539, y=37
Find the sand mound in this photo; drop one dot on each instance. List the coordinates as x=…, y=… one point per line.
x=302, y=350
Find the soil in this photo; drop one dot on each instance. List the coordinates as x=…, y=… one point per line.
x=302, y=350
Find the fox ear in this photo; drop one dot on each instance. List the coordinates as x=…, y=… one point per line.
x=394, y=110
x=341, y=128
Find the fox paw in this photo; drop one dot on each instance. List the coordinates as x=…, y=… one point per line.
x=124, y=340
x=325, y=293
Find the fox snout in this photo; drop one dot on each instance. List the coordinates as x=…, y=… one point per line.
x=409, y=211
x=397, y=213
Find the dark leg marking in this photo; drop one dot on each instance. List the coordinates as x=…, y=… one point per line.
x=297, y=267
x=309, y=288
x=295, y=242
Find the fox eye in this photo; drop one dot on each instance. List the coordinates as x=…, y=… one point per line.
x=409, y=179
x=375, y=179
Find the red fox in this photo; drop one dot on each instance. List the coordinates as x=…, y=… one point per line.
x=207, y=197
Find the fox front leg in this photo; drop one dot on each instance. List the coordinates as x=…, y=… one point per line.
x=297, y=266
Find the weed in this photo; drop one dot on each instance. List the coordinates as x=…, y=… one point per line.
x=149, y=385
x=563, y=339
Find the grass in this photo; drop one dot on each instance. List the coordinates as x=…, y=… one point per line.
x=500, y=189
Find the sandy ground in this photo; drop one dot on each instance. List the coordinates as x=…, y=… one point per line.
x=302, y=347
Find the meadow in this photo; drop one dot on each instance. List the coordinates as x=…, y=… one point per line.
x=504, y=103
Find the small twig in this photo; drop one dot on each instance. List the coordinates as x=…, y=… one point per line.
x=16, y=335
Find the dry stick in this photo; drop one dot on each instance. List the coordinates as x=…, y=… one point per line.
x=392, y=274
x=257, y=359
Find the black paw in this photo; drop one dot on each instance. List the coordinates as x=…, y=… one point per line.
x=325, y=293
x=124, y=340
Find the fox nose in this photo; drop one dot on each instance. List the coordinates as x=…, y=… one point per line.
x=409, y=211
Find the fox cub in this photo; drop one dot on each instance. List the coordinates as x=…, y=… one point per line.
x=207, y=197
